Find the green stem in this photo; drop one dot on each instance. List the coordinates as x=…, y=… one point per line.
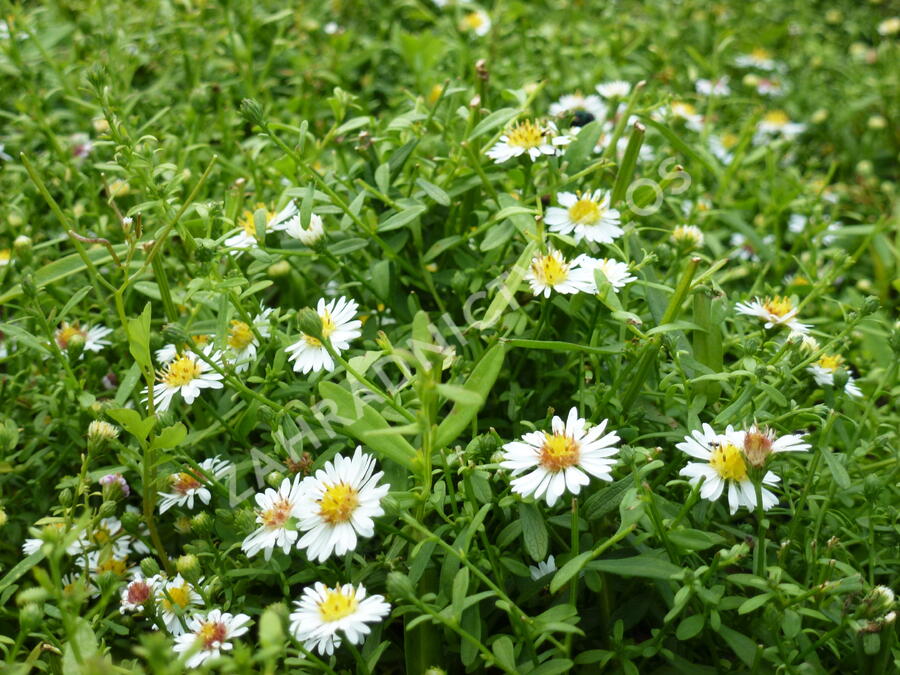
x=760, y=552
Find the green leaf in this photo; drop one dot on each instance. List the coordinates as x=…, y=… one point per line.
x=744, y=647
x=644, y=565
x=84, y=637
x=495, y=119
x=458, y=595
x=673, y=138
x=838, y=472
x=480, y=382
x=460, y=394
x=132, y=422
x=505, y=653
x=553, y=667
x=138, y=330
x=688, y=539
x=506, y=292
x=754, y=603
x=360, y=420
x=534, y=531
x=170, y=437
x=20, y=569
x=606, y=500
x=690, y=626
x=629, y=161
x=433, y=191
x=405, y=217
x=569, y=570
x=583, y=145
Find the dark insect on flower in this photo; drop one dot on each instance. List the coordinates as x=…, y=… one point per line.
x=581, y=118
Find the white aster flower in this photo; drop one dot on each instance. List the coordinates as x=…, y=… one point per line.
x=722, y=147
x=337, y=505
x=186, y=375
x=723, y=464
x=478, y=22
x=681, y=110
x=615, y=89
x=551, y=272
x=767, y=87
x=94, y=336
x=889, y=26
x=561, y=460
x=138, y=593
x=210, y=635
x=175, y=598
x=777, y=123
x=588, y=215
x=107, y=535
x=246, y=235
x=531, y=138
x=584, y=108
x=824, y=369
x=616, y=272
x=718, y=87
x=338, y=326
x=242, y=341
x=322, y=612
x=277, y=518
x=796, y=223
x=757, y=58
x=82, y=145
x=187, y=484
x=107, y=560
x=308, y=235
x=688, y=236
x=775, y=311
x=542, y=569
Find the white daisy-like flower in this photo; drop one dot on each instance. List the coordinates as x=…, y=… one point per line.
x=337, y=505
x=616, y=272
x=614, y=89
x=94, y=336
x=338, y=326
x=562, y=460
x=73, y=582
x=758, y=58
x=542, y=569
x=767, y=87
x=33, y=544
x=775, y=311
x=722, y=147
x=107, y=561
x=797, y=223
x=210, y=635
x=138, y=593
x=759, y=444
x=584, y=108
x=478, y=22
x=107, y=535
x=531, y=138
x=175, y=599
x=242, y=341
x=681, y=110
x=82, y=145
x=185, y=485
x=688, y=236
x=777, y=123
x=551, y=272
x=277, y=518
x=308, y=235
x=744, y=249
x=588, y=216
x=718, y=87
x=5, y=257
x=824, y=369
x=322, y=612
x=187, y=375
x=246, y=236
x=723, y=464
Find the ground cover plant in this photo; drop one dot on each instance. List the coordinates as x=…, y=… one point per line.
x=442, y=337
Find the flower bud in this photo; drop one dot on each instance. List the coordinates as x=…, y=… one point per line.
x=183, y=525
x=3, y=517
x=202, y=523
x=29, y=289
x=65, y=497
x=31, y=595
x=107, y=509
x=115, y=487
x=310, y=322
x=274, y=479
x=384, y=343
x=435, y=670
x=131, y=522
x=252, y=111
x=245, y=521
x=841, y=377
x=22, y=247
x=870, y=306
x=30, y=617
x=757, y=446
x=188, y=566
x=280, y=269
x=149, y=567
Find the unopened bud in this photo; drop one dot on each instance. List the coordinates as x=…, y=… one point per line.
x=114, y=486
x=65, y=497
x=22, y=247
x=131, y=522
x=384, y=343
x=30, y=617
x=3, y=517
x=189, y=567
x=100, y=432
x=149, y=567
x=310, y=322
x=280, y=269
x=107, y=509
x=400, y=586
x=252, y=111
x=870, y=306
x=757, y=446
x=202, y=523
x=274, y=479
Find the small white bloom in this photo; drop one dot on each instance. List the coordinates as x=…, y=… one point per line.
x=277, y=517
x=338, y=326
x=562, y=460
x=767, y=87
x=478, y=22
x=589, y=216
x=242, y=341
x=137, y=593
x=94, y=336
x=188, y=375
x=542, y=569
x=309, y=235
x=681, y=110
x=776, y=311
x=338, y=505
x=551, y=272
x=796, y=223
x=758, y=58
x=824, y=369
x=689, y=236
x=246, y=236
x=723, y=465
x=616, y=272
x=589, y=108
x=531, y=138
x=718, y=87
x=185, y=485
x=175, y=598
x=208, y=636
x=614, y=89
x=777, y=123
x=322, y=612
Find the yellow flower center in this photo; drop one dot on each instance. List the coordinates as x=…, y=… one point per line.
x=178, y=596
x=728, y=462
x=240, y=335
x=338, y=503
x=336, y=606
x=558, y=452
x=831, y=362
x=5, y=256
x=778, y=306
x=760, y=54
x=551, y=269
x=67, y=332
x=473, y=20
x=683, y=109
x=585, y=212
x=210, y=633
x=777, y=117
x=113, y=565
x=182, y=482
x=328, y=328
x=729, y=140
x=526, y=135
x=276, y=516
x=181, y=371
x=248, y=222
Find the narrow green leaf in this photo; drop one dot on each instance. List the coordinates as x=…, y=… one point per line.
x=495, y=119
x=401, y=219
x=505, y=294
x=534, y=531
